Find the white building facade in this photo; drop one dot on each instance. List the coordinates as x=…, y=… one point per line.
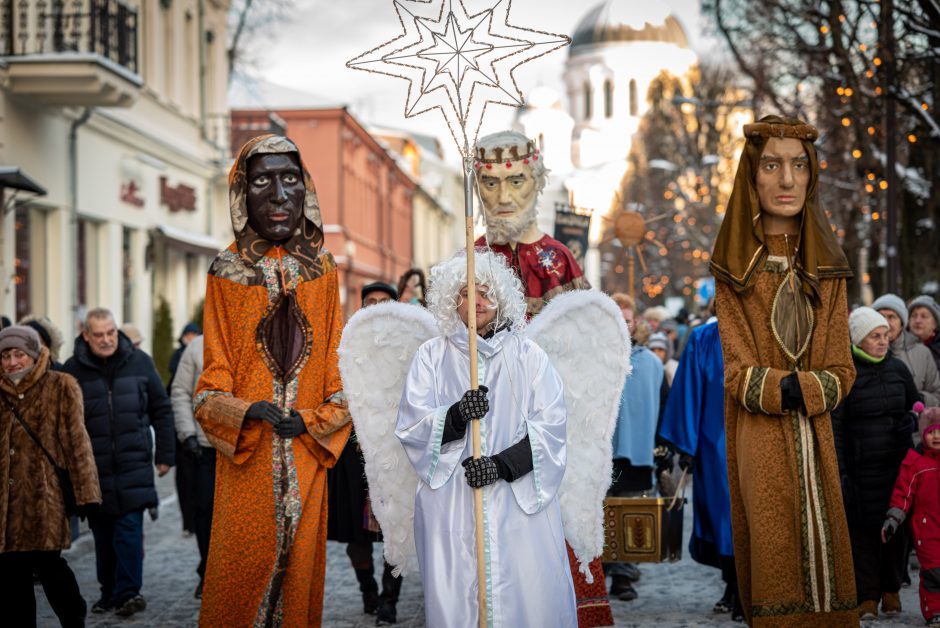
x=117, y=108
x=617, y=50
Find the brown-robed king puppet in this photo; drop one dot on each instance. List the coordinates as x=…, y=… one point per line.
x=270, y=398
x=783, y=322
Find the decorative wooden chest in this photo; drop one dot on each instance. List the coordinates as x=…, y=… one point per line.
x=643, y=529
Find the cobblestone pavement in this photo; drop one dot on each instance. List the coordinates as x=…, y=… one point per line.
x=670, y=595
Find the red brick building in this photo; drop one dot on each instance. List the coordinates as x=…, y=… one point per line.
x=365, y=198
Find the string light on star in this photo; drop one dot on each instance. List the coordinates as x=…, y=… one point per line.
x=457, y=62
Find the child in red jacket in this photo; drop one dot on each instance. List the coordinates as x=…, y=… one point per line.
x=917, y=492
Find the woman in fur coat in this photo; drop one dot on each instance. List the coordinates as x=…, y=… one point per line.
x=33, y=527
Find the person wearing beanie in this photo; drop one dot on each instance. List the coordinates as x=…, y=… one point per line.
x=924, y=322
x=33, y=520
x=186, y=463
x=660, y=344
x=909, y=349
x=872, y=429
x=916, y=496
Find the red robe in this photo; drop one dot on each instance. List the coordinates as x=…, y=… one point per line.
x=546, y=267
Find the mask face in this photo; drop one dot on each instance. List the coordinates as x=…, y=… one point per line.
x=509, y=196
x=275, y=195
x=783, y=177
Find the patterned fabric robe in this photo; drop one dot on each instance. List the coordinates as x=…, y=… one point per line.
x=267, y=557
x=791, y=540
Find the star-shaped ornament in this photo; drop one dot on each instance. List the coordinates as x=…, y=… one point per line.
x=457, y=62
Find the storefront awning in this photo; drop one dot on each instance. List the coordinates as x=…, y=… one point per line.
x=190, y=242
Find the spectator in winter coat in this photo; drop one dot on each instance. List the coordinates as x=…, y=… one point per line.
x=192, y=440
x=908, y=348
x=917, y=493
x=186, y=462
x=124, y=396
x=925, y=323
x=33, y=527
x=872, y=429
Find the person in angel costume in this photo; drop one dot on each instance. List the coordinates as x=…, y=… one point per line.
x=423, y=482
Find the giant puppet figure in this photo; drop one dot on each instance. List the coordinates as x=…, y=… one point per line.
x=511, y=174
x=270, y=399
x=783, y=324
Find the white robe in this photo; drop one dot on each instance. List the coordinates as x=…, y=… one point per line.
x=529, y=581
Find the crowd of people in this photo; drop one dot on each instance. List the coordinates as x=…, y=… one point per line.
x=812, y=429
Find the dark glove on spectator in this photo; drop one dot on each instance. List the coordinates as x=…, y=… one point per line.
x=686, y=462
x=662, y=456
x=791, y=396
x=191, y=445
x=291, y=426
x=264, y=411
x=86, y=510
x=481, y=471
x=889, y=528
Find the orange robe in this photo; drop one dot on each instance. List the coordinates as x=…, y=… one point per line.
x=267, y=556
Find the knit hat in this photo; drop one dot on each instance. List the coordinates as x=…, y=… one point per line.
x=21, y=337
x=929, y=420
x=133, y=332
x=927, y=302
x=862, y=321
x=658, y=341
x=189, y=328
x=894, y=303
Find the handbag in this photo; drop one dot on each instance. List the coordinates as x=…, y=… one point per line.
x=65, y=481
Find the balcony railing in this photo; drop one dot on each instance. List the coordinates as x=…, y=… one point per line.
x=41, y=27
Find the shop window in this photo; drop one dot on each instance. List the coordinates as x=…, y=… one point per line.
x=127, y=291
x=21, y=263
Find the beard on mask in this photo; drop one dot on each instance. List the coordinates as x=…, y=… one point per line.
x=511, y=228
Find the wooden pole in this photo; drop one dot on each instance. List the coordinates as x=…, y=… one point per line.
x=631, y=275
x=468, y=177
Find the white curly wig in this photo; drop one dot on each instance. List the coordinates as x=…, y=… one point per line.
x=491, y=270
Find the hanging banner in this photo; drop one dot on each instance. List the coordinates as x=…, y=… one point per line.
x=572, y=229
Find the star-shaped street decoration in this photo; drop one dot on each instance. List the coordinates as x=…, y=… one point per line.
x=456, y=61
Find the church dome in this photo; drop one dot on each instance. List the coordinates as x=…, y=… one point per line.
x=616, y=21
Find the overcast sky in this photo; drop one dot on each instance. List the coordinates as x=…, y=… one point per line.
x=309, y=53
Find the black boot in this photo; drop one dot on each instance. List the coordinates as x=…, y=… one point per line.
x=622, y=588
x=391, y=587
x=370, y=590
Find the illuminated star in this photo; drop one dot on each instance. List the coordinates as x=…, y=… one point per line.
x=457, y=62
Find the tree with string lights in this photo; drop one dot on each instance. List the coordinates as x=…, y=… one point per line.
x=867, y=73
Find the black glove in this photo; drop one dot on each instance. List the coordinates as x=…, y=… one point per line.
x=791, y=396
x=662, y=456
x=889, y=528
x=264, y=411
x=291, y=426
x=86, y=510
x=191, y=445
x=473, y=404
x=686, y=462
x=481, y=471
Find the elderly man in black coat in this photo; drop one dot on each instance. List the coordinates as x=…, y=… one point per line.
x=124, y=396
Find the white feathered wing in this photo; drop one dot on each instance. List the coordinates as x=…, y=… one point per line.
x=586, y=339
x=378, y=345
